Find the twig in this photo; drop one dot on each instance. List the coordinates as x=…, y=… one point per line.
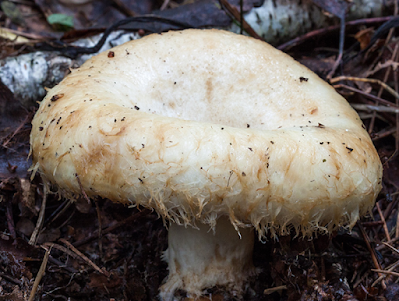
x=367, y=80
x=18, y=129
x=384, y=225
x=164, y=4
x=395, y=76
x=70, y=216
x=397, y=226
x=390, y=268
x=85, y=258
x=73, y=51
x=322, y=31
x=271, y=290
x=372, y=252
x=62, y=265
x=57, y=212
x=341, y=48
x=362, y=279
x=39, y=223
x=81, y=189
x=391, y=247
x=11, y=279
x=383, y=134
x=237, y=16
x=391, y=205
x=62, y=249
x=364, y=107
x=368, y=95
x=10, y=219
x=241, y=17
x=66, y=251
x=386, y=272
x=394, y=154
x=31, y=36
x=125, y=8
x=40, y=274
x=380, y=66
x=100, y=232
x=372, y=224
x=386, y=76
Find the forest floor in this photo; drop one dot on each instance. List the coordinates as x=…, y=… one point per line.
x=52, y=249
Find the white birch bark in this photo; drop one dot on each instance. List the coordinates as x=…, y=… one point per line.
x=28, y=75
x=276, y=21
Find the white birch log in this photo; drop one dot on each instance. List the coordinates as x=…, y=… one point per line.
x=28, y=75
x=276, y=21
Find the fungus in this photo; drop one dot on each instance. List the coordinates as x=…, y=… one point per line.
x=214, y=188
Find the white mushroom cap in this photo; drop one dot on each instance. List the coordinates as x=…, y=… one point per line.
x=200, y=124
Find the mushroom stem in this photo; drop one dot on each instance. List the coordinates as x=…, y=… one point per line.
x=200, y=258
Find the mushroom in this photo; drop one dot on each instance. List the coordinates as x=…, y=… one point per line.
x=221, y=134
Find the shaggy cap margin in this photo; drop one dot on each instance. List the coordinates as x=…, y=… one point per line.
x=200, y=124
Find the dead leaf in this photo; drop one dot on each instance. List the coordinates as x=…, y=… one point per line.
x=364, y=37
x=25, y=226
x=48, y=235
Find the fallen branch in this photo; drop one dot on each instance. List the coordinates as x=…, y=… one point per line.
x=365, y=107
x=85, y=258
x=39, y=223
x=40, y=274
